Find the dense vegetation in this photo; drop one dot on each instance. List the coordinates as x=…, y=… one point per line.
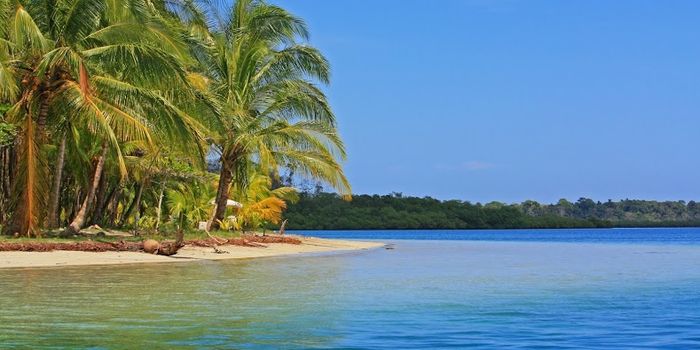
x=110, y=111
x=328, y=211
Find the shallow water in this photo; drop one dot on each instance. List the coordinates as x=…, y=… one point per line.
x=421, y=294
x=685, y=235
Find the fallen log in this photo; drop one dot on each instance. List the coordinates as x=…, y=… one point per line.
x=165, y=248
x=84, y=246
x=169, y=248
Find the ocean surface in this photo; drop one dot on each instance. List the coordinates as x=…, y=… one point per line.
x=533, y=289
x=682, y=235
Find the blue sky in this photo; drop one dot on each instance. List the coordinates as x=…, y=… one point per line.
x=511, y=100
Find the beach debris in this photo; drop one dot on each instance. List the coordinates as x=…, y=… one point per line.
x=169, y=248
x=151, y=246
x=246, y=241
x=219, y=251
x=165, y=248
x=84, y=246
x=216, y=239
x=284, y=223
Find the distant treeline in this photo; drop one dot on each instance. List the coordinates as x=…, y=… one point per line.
x=325, y=211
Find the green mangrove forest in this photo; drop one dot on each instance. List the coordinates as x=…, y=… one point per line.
x=327, y=211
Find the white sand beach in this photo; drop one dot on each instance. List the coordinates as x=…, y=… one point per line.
x=15, y=259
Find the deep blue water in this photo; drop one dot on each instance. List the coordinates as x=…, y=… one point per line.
x=579, y=290
x=618, y=235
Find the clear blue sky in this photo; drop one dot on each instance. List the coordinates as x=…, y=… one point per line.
x=511, y=100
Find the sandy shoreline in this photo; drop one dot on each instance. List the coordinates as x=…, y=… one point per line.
x=14, y=259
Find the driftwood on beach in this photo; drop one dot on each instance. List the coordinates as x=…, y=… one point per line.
x=244, y=241
x=165, y=248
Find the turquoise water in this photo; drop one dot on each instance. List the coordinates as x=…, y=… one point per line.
x=423, y=294
x=689, y=235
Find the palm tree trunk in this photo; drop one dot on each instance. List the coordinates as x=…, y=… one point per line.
x=41, y=118
x=56, y=189
x=99, y=198
x=4, y=195
x=80, y=217
x=225, y=178
x=103, y=210
x=26, y=213
x=75, y=206
x=160, y=204
x=12, y=167
x=114, y=206
x=139, y=212
x=135, y=203
x=6, y=187
x=6, y=164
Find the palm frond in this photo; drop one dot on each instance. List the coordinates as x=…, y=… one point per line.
x=82, y=18
x=146, y=65
x=23, y=31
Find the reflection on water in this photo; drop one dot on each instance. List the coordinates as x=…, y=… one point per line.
x=423, y=294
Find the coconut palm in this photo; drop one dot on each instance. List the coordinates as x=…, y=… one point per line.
x=97, y=90
x=265, y=144
x=93, y=67
x=271, y=109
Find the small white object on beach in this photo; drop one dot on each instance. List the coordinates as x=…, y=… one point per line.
x=229, y=203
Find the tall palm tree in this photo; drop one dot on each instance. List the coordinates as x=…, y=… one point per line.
x=270, y=107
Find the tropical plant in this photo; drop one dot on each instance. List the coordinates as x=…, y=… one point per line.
x=271, y=111
x=190, y=203
x=92, y=68
x=261, y=205
x=110, y=109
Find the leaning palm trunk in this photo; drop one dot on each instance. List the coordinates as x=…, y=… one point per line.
x=99, y=199
x=56, y=189
x=77, y=224
x=221, y=200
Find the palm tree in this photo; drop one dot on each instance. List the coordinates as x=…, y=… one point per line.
x=99, y=89
x=93, y=69
x=270, y=108
x=265, y=144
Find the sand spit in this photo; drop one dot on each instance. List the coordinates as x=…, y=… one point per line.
x=18, y=259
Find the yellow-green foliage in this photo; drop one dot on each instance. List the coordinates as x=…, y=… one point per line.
x=261, y=204
x=111, y=109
